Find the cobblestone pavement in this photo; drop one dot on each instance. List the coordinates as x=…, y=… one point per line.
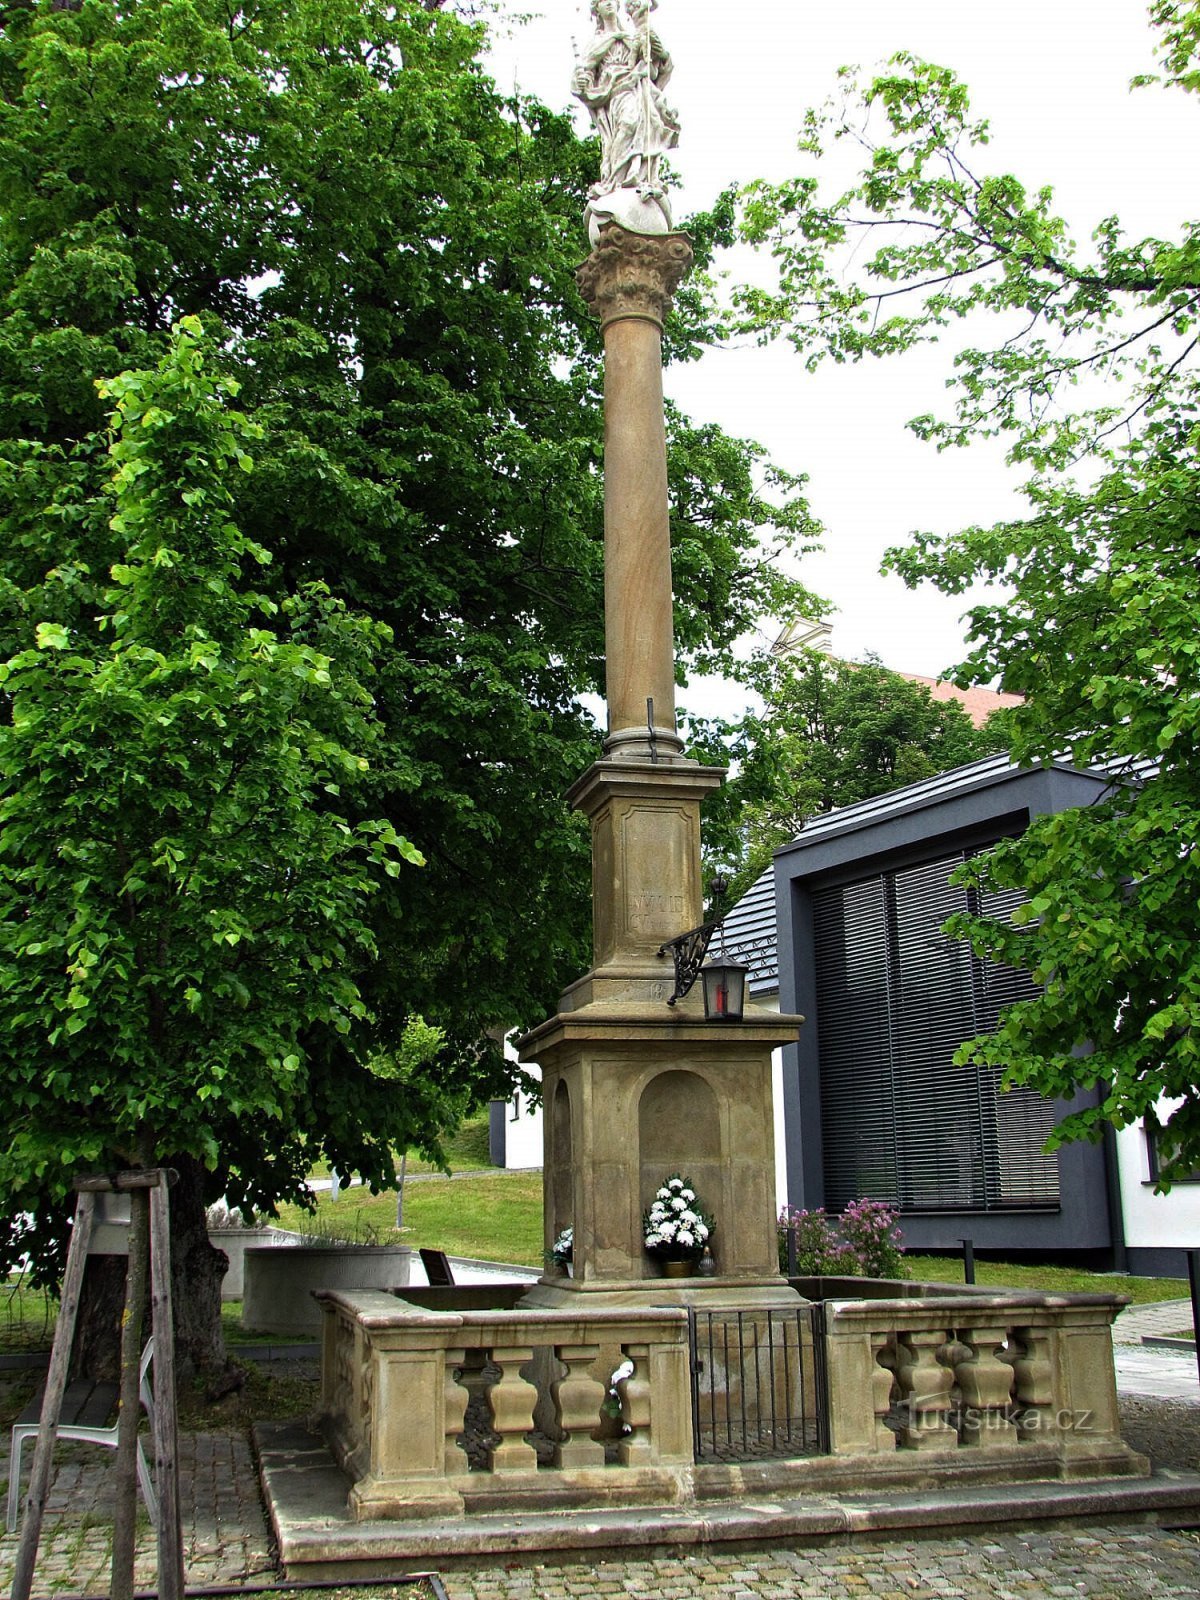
x=1099, y=1564
x=224, y=1530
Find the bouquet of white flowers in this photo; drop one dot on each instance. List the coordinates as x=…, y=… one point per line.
x=676, y=1227
x=562, y=1251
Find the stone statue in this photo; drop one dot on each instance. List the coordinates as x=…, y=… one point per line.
x=620, y=78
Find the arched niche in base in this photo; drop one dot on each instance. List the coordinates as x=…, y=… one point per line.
x=679, y=1130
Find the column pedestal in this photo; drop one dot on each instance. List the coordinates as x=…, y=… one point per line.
x=646, y=886
x=632, y=1094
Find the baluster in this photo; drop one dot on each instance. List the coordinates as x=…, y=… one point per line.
x=578, y=1395
x=1033, y=1369
x=952, y=1354
x=455, y=1397
x=635, y=1449
x=883, y=1381
x=511, y=1400
x=925, y=1385
x=986, y=1382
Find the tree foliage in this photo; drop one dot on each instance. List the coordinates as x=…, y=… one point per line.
x=182, y=902
x=1092, y=378
x=381, y=252
x=826, y=733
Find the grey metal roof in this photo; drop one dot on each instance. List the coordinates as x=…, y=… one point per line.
x=983, y=774
x=750, y=934
x=913, y=797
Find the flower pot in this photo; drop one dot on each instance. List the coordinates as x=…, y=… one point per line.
x=679, y=1269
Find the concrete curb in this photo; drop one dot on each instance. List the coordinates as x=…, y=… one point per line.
x=305, y=1495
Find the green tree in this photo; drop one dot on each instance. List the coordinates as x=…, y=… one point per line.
x=828, y=733
x=183, y=905
x=382, y=251
x=1092, y=379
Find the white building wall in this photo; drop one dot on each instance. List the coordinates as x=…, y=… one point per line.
x=770, y=1002
x=1154, y=1221
x=522, y=1124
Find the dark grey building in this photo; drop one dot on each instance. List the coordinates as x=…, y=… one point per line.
x=847, y=930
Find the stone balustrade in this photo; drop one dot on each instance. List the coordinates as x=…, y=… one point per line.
x=432, y=1413
x=435, y=1412
x=1022, y=1379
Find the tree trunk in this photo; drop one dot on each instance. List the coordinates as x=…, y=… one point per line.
x=196, y=1273
x=97, y=1350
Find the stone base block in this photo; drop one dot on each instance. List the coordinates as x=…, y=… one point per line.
x=487, y=1494
x=707, y=1294
x=370, y=1501
x=595, y=1488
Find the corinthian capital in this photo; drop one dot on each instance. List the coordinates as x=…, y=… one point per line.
x=634, y=274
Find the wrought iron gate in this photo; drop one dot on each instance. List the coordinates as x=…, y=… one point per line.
x=758, y=1383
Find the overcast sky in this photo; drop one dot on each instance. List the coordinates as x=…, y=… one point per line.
x=1052, y=78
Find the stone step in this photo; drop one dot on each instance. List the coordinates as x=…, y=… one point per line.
x=306, y=1499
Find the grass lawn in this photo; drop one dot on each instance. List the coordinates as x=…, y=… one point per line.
x=1065, y=1280
x=467, y=1150
x=27, y=1318
x=497, y=1217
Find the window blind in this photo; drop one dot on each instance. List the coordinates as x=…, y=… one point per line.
x=895, y=999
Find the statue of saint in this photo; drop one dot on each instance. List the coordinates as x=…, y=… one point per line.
x=620, y=78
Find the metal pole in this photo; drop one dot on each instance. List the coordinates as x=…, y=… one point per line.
x=1193, y=1261
x=968, y=1260
x=791, y=1250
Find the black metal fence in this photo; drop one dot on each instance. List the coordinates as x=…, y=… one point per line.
x=758, y=1384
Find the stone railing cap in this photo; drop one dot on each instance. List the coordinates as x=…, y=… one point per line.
x=376, y=1309
x=953, y=1307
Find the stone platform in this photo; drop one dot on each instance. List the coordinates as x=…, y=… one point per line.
x=306, y=1497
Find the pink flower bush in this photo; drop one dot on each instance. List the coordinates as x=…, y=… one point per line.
x=864, y=1242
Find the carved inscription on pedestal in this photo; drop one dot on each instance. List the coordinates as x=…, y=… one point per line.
x=656, y=914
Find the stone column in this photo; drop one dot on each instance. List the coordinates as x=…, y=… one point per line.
x=643, y=799
x=628, y=281
x=636, y=1087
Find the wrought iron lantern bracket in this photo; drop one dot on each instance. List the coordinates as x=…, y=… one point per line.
x=688, y=952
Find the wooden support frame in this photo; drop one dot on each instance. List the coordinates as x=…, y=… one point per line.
x=166, y=1421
